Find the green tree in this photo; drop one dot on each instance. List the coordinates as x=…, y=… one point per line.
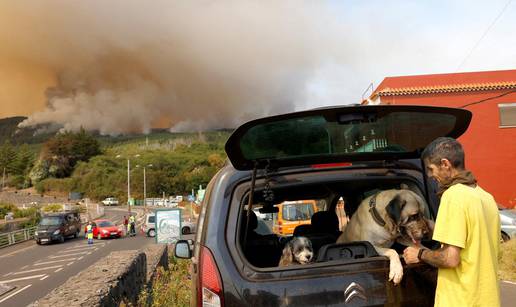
x=63, y=151
x=7, y=158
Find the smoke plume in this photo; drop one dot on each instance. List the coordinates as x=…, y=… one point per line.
x=127, y=66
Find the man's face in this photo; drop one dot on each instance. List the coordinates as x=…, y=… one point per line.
x=440, y=172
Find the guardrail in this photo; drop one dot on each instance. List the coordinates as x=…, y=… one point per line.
x=17, y=236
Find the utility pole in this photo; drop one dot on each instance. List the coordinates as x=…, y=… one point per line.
x=128, y=187
x=144, y=192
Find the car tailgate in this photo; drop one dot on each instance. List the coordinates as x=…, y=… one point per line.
x=359, y=284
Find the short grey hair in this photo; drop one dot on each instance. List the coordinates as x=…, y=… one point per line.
x=445, y=148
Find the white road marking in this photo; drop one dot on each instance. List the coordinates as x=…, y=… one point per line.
x=21, y=278
x=43, y=278
x=80, y=258
x=74, y=254
x=85, y=245
x=24, y=267
x=88, y=253
x=40, y=269
x=72, y=250
x=509, y=282
x=69, y=264
x=8, y=274
x=54, y=261
x=14, y=293
x=16, y=252
x=58, y=270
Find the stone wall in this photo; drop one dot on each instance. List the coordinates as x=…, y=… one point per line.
x=117, y=278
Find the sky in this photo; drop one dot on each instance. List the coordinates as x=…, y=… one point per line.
x=127, y=66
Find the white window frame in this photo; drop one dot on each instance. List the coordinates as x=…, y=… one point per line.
x=501, y=107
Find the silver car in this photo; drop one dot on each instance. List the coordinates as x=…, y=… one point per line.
x=149, y=226
x=508, y=224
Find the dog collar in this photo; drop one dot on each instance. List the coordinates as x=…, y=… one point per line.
x=374, y=213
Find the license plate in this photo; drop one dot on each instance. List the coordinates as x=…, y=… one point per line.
x=114, y=233
x=44, y=240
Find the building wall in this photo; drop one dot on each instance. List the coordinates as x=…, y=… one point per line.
x=490, y=150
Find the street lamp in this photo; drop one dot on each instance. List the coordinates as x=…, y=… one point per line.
x=145, y=187
x=128, y=182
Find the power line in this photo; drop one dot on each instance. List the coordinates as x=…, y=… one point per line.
x=487, y=99
x=483, y=35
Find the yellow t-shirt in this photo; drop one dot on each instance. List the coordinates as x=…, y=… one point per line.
x=468, y=218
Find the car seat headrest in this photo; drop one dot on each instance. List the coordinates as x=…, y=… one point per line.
x=325, y=221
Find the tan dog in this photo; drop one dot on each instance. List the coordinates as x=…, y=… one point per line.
x=386, y=217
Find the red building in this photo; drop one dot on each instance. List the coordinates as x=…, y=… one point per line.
x=490, y=142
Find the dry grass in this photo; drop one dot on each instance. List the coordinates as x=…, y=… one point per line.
x=170, y=288
x=507, y=268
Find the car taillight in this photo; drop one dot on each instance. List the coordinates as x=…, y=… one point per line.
x=210, y=289
x=280, y=222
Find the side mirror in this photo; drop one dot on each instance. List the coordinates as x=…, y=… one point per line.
x=182, y=250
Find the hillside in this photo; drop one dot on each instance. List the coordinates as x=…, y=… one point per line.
x=175, y=163
x=9, y=131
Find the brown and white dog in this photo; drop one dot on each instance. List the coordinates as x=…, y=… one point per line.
x=387, y=217
x=297, y=251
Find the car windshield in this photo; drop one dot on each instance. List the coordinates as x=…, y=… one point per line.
x=50, y=221
x=297, y=212
x=105, y=224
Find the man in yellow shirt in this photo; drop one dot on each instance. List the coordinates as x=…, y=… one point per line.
x=468, y=227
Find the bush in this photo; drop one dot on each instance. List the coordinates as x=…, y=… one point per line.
x=170, y=288
x=6, y=208
x=52, y=208
x=507, y=268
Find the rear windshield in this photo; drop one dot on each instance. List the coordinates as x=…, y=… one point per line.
x=297, y=212
x=51, y=221
x=351, y=134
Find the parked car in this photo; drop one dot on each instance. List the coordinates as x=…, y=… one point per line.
x=508, y=224
x=110, y=201
x=188, y=227
x=149, y=225
x=103, y=229
x=57, y=227
x=323, y=154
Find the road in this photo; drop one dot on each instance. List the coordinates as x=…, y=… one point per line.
x=34, y=270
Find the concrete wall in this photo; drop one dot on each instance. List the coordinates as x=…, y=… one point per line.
x=119, y=277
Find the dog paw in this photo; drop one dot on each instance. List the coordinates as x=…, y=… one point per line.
x=395, y=272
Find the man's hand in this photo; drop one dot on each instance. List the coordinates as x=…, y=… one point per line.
x=448, y=256
x=410, y=254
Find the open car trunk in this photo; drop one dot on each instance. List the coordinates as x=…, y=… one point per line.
x=352, y=273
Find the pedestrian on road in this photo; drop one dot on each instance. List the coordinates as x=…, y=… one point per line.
x=126, y=224
x=468, y=227
x=89, y=233
x=132, y=225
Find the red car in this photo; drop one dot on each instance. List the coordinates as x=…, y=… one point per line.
x=105, y=229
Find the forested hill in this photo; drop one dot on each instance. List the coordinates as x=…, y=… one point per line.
x=9, y=131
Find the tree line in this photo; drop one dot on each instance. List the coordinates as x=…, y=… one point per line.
x=76, y=162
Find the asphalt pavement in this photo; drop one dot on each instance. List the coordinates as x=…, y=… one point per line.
x=33, y=270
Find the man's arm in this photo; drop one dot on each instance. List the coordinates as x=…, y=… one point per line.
x=448, y=256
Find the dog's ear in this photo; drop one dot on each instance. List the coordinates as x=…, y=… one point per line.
x=287, y=258
x=404, y=186
x=394, y=208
